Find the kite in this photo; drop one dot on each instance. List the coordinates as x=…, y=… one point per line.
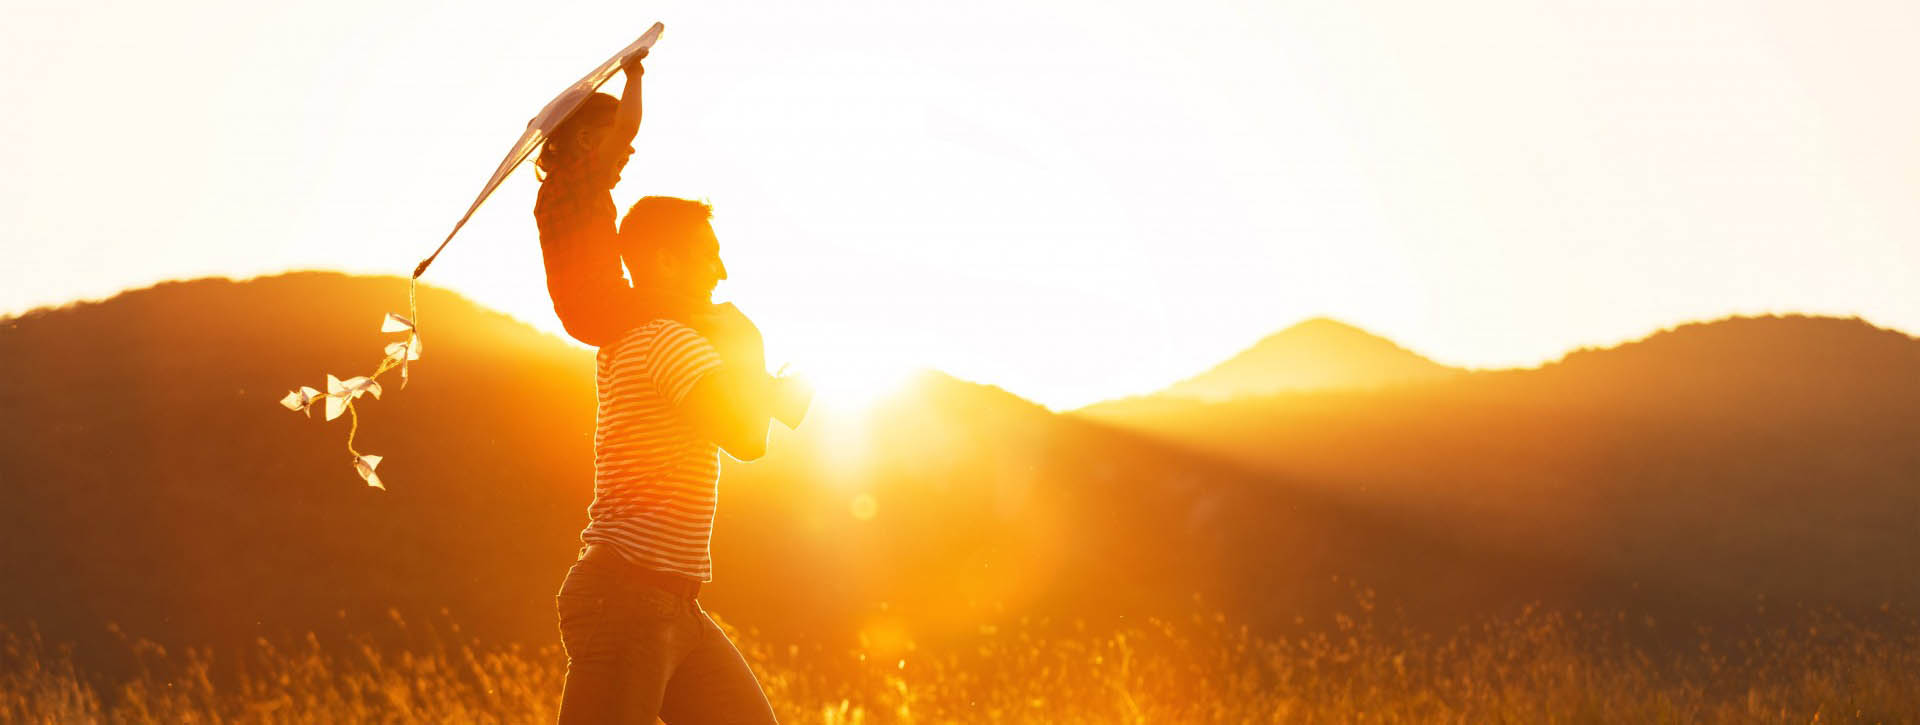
x=557, y=110
x=341, y=394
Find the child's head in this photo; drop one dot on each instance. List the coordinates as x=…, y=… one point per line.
x=669, y=246
x=568, y=152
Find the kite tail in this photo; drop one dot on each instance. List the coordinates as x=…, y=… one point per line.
x=352, y=397
x=353, y=427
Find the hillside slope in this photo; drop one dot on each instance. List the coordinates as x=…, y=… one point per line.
x=1715, y=462
x=152, y=480
x=148, y=478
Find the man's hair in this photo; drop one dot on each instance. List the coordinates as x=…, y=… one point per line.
x=661, y=222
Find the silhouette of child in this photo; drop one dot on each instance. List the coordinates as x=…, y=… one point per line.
x=581, y=161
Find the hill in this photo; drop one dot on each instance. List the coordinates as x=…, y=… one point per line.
x=1317, y=354
x=154, y=482
x=1747, y=459
x=150, y=479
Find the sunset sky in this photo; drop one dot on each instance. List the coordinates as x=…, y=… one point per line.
x=1074, y=200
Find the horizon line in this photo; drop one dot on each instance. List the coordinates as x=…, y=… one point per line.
x=1465, y=367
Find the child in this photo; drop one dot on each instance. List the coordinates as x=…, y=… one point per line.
x=581, y=161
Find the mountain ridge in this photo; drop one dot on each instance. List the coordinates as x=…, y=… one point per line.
x=1663, y=338
x=154, y=481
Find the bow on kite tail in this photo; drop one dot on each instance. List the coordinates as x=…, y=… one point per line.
x=341, y=394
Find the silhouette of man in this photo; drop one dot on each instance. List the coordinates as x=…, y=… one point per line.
x=673, y=392
x=679, y=379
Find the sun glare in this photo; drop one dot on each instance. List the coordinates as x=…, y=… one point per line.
x=844, y=385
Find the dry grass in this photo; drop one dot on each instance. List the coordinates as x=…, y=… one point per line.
x=1536, y=668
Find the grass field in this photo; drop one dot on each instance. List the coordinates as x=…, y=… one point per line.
x=1533, y=668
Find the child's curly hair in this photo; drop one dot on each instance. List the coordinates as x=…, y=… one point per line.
x=560, y=155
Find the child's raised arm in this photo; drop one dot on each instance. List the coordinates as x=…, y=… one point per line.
x=626, y=121
x=590, y=297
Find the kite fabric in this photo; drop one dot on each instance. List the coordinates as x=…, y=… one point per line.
x=542, y=124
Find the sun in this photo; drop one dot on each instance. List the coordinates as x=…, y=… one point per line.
x=852, y=388
x=847, y=383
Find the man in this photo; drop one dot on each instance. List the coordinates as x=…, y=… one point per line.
x=674, y=390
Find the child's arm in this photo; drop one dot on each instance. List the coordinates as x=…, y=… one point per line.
x=590, y=297
x=626, y=121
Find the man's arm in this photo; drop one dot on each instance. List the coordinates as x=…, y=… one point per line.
x=733, y=405
x=730, y=407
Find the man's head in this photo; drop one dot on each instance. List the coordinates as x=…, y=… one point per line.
x=670, y=248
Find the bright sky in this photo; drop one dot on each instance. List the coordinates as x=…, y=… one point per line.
x=1071, y=199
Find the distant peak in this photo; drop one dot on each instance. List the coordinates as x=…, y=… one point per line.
x=1318, y=353
x=1315, y=324
x=1320, y=327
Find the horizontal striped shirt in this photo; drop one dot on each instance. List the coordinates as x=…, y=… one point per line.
x=654, y=479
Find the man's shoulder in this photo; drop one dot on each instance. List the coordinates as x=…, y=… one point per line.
x=648, y=335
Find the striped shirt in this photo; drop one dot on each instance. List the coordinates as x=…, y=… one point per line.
x=654, y=479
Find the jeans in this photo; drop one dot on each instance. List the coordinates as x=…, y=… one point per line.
x=636, y=652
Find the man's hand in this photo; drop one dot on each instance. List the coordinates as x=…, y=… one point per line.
x=789, y=398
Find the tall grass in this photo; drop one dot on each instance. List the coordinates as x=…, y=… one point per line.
x=1533, y=668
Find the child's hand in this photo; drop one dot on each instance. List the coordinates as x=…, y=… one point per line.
x=631, y=63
